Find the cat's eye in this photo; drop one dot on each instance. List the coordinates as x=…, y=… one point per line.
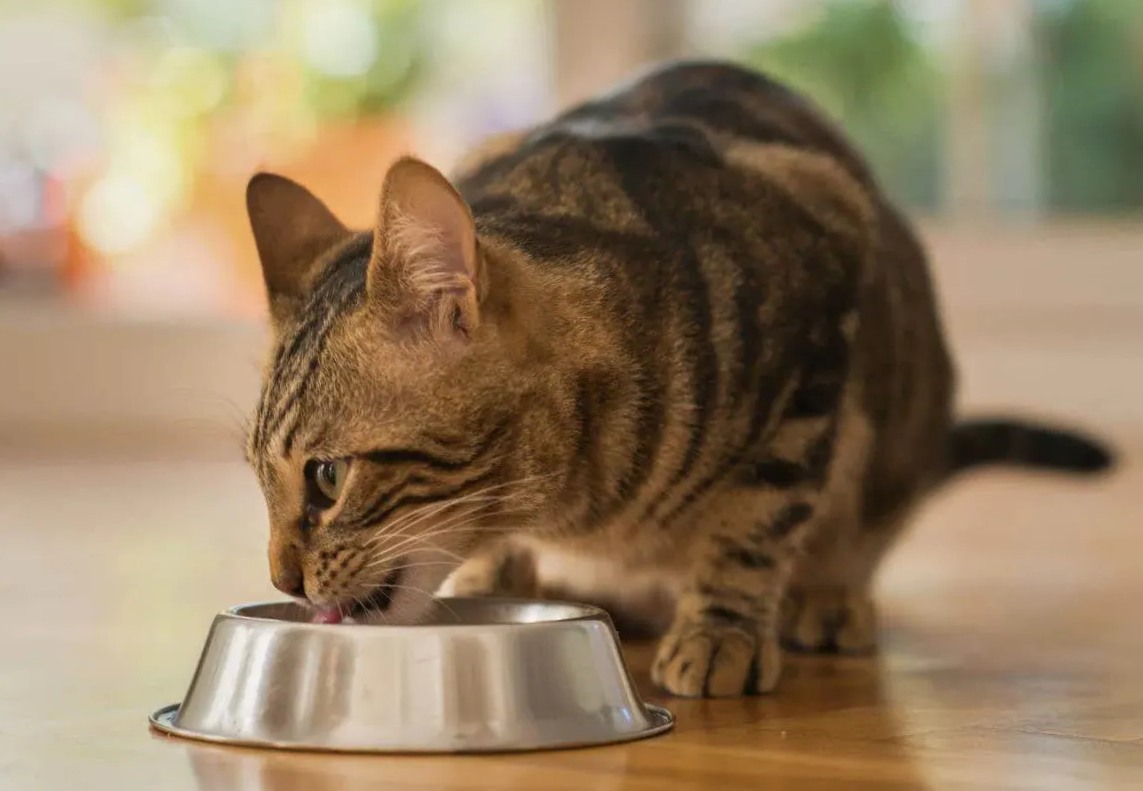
x=325, y=480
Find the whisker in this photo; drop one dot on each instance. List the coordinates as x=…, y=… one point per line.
x=404, y=566
x=478, y=494
x=403, y=525
x=407, y=534
x=447, y=526
x=481, y=501
x=417, y=516
x=392, y=543
x=426, y=546
x=367, y=610
x=431, y=548
x=442, y=526
x=407, y=525
x=425, y=593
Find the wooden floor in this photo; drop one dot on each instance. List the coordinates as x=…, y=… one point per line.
x=1013, y=651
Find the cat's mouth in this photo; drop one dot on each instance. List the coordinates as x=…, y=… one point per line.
x=377, y=601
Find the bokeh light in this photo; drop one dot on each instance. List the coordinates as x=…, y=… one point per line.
x=117, y=214
x=338, y=38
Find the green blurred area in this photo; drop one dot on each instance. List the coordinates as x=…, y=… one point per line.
x=864, y=63
x=1092, y=68
x=861, y=63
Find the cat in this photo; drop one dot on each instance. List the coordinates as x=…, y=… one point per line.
x=673, y=350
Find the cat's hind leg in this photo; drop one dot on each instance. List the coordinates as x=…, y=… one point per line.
x=828, y=606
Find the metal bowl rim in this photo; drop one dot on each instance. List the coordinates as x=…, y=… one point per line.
x=588, y=613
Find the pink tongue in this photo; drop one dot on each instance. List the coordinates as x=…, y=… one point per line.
x=327, y=615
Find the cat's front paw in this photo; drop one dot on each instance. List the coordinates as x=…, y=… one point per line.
x=714, y=661
x=505, y=573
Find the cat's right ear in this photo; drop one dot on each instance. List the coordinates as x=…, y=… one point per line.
x=292, y=229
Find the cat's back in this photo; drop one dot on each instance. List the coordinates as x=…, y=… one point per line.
x=682, y=116
x=727, y=102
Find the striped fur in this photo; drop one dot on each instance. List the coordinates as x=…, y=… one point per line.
x=692, y=358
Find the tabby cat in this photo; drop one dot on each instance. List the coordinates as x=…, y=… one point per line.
x=673, y=350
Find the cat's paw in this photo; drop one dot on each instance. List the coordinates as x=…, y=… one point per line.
x=714, y=661
x=497, y=574
x=829, y=619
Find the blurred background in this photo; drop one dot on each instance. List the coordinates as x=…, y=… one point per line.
x=130, y=298
x=132, y=330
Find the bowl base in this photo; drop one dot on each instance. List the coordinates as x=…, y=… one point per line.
x=163, y=720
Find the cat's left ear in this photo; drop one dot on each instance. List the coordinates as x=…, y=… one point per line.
x=292, y=230
x=426, y=264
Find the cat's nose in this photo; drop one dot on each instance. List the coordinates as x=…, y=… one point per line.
x=290, y=582
x=285, y=567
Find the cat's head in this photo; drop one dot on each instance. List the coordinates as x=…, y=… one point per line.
x=386, y=439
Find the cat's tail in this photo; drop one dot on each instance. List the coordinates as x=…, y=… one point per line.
x=1013, y=442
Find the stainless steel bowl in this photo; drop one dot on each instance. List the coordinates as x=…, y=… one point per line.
x=478, y=675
